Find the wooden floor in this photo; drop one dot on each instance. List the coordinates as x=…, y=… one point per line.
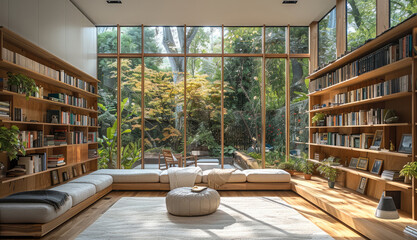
x=72, y=228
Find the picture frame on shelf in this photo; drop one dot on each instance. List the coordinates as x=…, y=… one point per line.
x=83, y=168
x=377, y=141
x=54, y=177
x=353, y=162
x=377, y=166
x=406, y=144
x=362, y=163
x=356, y=140
x=74, y=171
x=362, y=185
x=65, y=176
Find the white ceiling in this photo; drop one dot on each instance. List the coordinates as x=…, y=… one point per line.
x=204, y=12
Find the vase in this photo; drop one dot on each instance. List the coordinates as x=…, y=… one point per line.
x=331, y=184
x=407, y=179
x=307, y=176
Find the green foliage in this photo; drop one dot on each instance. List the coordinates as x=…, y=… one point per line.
x=401, y=10
x=24, y=84
x=361, y=22
x=204, y=137
x=409, y=170
x=286, y=166
x=328, y=171
x=229, y=150
x=307, y=167
x=255, y=155
x=10, y=142
x=317, y=117
x=131, y=153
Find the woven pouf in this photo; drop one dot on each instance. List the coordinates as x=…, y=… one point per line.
x=184, y=202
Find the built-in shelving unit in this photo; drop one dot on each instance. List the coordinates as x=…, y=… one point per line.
x=35, y=108
x=403, y=103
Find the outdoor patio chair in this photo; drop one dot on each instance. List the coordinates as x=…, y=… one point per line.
x=172, y=160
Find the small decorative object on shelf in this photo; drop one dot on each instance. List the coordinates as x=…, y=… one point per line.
x=406, y=144
x=353, y=163
x=377, y=166
x=376, y=143
x=54, y=177
x=409, y=171
x=362, y=163
x=328, y=172
x=83, y=168
x=362, y=185
x=391, y=117
x=386, y=208
x=318, y=119
x=65, y=176
x=74, y=171
x=22, y=84
x=391, y=146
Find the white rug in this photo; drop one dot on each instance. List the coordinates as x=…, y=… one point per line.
x=236, y=218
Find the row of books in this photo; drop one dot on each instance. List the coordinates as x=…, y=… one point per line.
x=363, y=140
x=31, y=139
x=401, y=84
x=68, y=99
x=62, y=76
x=363, y=117
x=392, y=175
x=5, y=110
x=76, y=137
x=32, y=163
x=62, y=117
x=386, y=55
x=92, y=137
x=57, y=160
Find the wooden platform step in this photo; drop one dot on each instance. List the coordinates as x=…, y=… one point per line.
x=353, y=209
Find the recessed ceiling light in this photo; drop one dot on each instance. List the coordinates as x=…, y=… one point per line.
x=114, y=2
x=289, y=1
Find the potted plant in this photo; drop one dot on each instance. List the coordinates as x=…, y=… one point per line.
x=287, y=166
x=307, y=168
x=10, y=142
x=22, y=84
x=328, y=172
x=409, y=171
x=318, y=119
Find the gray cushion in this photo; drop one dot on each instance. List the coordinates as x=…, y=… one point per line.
x=131, y=175
x=31, y=212
x=183, y=202
x=101, y=182
x=164, y=178
x=237, y=177
x=267, y=175
x=78, y=191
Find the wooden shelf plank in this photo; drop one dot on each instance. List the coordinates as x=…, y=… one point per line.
x=401, y=64
x=45, y=124
x=8, y=66
x=367, y=175
x=12, y=179
x=364, y=126
x=363, y=102
x=397, y=154
x=398, y=31
x=50, y=102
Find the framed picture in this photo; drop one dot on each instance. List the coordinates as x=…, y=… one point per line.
x=377, y=141
x=54, y=177
x=74, y=171
x=356, y=140
x=84, y=170
x=362, y=185
x=406, y=144
x=377, y=166
x=362, y=164
x=353, y=162
x=65, y=176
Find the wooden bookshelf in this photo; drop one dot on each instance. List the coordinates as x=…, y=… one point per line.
x=403, y=103
x=35, y=109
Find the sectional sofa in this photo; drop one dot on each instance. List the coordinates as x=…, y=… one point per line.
x=36, y=219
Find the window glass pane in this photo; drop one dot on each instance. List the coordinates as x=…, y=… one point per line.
x=164, y=101
x=361, y=22
x=327, y=38
x=107, y=39
x=204, y=106
x=242, y=118
x=275, y=111
x=204, y=40
x=243, y=40
x=164, y=40
x=107, y=102
x=130, y=104
x=130, y=39
x=298, y=108
x=275, y=40
x=299, y=39
x=401, y=10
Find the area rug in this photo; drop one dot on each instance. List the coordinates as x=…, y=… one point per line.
x=236, y=218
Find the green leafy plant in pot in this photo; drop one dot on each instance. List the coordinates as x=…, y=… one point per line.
x=307, y=168
x=287, y=166
x=318, y=119
x=10, y=142
x=409, y=171
x=328, y=172
x=22, y=84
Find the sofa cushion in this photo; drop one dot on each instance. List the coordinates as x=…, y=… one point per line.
x=131, y=175
x=236, y=177
x=31, y=212
x=78, y=191
x=164, y=178
x=267, y=175
x=101, y=182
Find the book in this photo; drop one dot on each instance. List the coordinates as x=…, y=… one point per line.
x=198, y=189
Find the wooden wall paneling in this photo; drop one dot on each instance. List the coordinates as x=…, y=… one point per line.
x=382, y=16
x=340, y=27
x=314, y=46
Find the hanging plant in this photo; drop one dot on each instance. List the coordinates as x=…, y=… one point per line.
x=23, y=83
x=10, y=142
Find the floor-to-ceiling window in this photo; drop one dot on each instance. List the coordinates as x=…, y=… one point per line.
x=327, y=38
x=401, y=10
x=170, y=93
x=360, y=22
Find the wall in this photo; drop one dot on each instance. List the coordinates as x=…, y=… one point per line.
x=55, y=25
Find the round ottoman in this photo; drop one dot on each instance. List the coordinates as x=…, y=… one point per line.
x=184, y=202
